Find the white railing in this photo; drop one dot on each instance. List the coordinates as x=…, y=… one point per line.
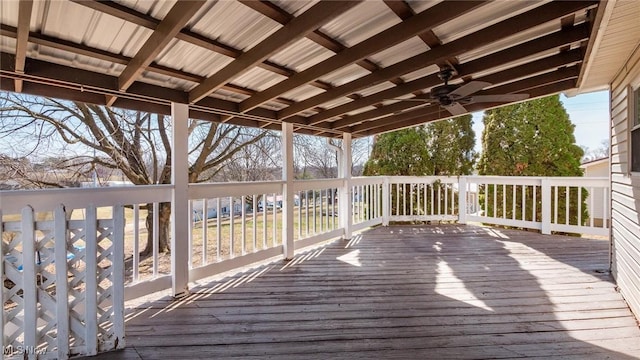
x=560, y=204
x=316, y=211
x=54, y=306
x=367, y=201
x=418, y=198
x=47, y=234
x=232, y=225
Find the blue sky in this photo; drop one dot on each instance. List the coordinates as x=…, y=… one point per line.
x=589, y=112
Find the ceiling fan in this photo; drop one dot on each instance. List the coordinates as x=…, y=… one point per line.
x=453, y=97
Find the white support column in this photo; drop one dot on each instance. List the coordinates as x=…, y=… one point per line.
x=386, y=201
x=29, y=281
x=180, y=199
x=462, y=199
x=287, y=191
x=62, y=286
x=345, y=211
x=546, y=206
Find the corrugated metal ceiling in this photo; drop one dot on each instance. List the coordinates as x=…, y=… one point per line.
x=223, y=34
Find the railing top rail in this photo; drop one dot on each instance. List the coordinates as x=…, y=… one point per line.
x=367, y=180
x=422, y=179
x=537, y=180
x=12, y=201
x=216, y=190
x=301, y=185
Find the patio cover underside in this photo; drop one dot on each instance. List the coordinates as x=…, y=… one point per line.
x=327, y=67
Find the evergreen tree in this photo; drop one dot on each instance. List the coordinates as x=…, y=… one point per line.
x=402, y=152
x=436, y=149
x=533, y=138
x=450, y=144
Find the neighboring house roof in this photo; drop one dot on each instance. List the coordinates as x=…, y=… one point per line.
x=594, y=162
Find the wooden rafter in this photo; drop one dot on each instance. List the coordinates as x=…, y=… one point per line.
x=404, y=11
x=434, y=16
x=130, y=15
x=99, y=83
x=24, y=20
x=514, y=62
x=552, y=88
x=504, y=76
x=166, y=31
x=551, y=41
x=435, y=112
x=292, y=31
x=474, y=40
x=270, y=10
x=81, y=49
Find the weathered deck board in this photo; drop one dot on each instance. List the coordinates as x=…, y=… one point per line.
x=402, y=292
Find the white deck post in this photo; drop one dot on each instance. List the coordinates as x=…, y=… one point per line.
x=546, y=206
x=462, y=199
x=345, y=206
x=180, y=199
x=62, y=286
x=29, y=281
x=287, y=191
x=386, y=201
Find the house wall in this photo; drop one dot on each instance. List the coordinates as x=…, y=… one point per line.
x=625, y=188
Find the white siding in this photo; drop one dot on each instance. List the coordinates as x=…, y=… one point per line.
x=625, y=188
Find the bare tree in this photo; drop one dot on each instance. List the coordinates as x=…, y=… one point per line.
x=316, y=158
x=600, y=152
x=134, y=143
x=259, y=161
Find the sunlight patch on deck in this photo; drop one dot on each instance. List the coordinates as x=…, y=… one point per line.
x=447, y=276
x=351, y=258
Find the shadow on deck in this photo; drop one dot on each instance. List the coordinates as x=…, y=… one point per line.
x=437, y=292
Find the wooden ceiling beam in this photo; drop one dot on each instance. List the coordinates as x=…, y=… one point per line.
x=504, y=76
x=135, y=17
x=91, y=83
x=173, y=22
x=404, y=11
x=503, y=29
x=545, y=43
x=295, y=29
x=434, y=16
x=80, y=49
x=275, y=13
x=532, y=86
x=25, y=8
x=541, y=91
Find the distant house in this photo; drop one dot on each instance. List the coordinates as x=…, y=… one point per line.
x=597, y=201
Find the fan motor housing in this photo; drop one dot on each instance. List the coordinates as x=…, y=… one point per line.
x=442, y=91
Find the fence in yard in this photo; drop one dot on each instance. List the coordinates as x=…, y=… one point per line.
x=71, y=257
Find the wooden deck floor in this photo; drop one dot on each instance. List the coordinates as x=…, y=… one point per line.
x=404, y=292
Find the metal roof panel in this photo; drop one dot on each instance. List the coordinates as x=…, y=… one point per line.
x=345, y=75
x=258, y=79
x=295, y=7
x=301, y=55
x=399, y=52
x=361, y=22
x=483, y=17
x=234, y=24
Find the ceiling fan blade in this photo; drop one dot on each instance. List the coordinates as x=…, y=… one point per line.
x=455, y=109
x=468, y=89
x=499, y=98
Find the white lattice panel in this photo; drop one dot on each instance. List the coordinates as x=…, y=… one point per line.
x=63, y=285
